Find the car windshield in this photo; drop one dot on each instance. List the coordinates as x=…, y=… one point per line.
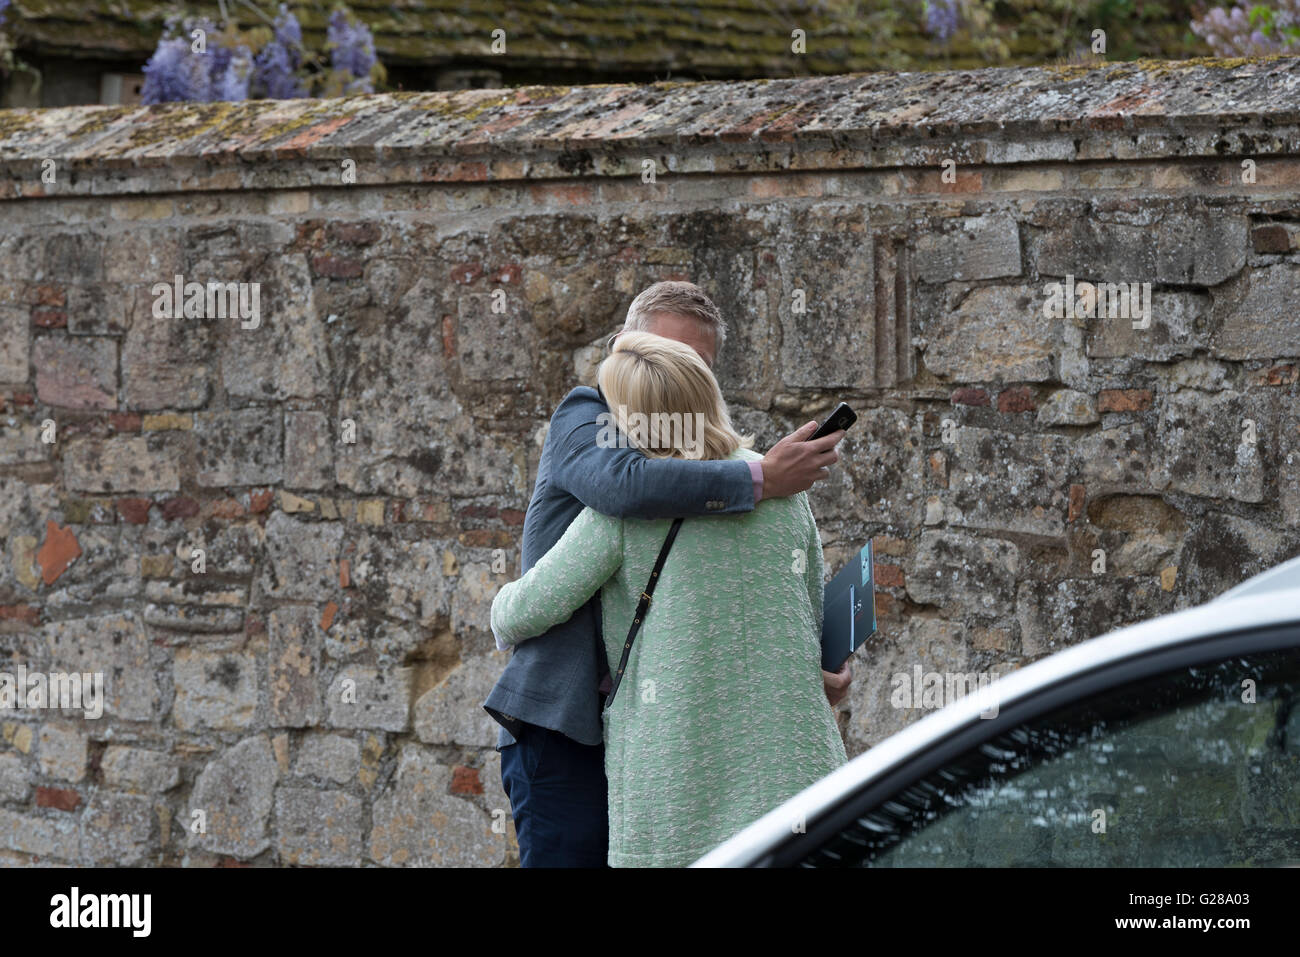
x=1196, y=768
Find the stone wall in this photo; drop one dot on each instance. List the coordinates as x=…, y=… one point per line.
x=279, y=539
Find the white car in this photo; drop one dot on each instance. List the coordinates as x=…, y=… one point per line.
x=1171, y=743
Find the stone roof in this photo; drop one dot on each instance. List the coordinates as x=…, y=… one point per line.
x=1006, y=115
x=722, y=38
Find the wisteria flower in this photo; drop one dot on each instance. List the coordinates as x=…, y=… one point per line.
x=1250, y=29
x=232, y=81
x=174, y=73
x=352, y=52
x=276, y=66
x=942, y=18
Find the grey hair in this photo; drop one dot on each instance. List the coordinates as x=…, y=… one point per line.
x=678, y=299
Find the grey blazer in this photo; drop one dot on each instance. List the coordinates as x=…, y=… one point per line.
x=553, y=682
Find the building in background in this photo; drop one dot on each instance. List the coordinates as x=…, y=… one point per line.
x=92, y=52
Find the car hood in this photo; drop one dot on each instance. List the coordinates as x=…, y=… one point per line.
x=1248, y=610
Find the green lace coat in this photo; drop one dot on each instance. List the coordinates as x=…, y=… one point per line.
x=721, y=715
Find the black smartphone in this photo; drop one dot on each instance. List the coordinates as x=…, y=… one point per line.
x=840, y=418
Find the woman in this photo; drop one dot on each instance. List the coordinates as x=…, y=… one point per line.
x=721, y=714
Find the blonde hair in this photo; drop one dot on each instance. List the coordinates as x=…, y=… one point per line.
x=660, y=380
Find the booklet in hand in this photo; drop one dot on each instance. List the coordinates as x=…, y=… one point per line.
x=849, y=612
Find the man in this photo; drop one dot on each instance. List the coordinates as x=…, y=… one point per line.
x=549, y=698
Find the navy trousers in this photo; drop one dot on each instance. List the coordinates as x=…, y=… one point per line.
x=559, y=797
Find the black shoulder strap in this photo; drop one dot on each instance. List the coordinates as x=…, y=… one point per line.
x=642, y=607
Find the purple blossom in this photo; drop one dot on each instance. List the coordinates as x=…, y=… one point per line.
x=4, y=4
x=276, y=67
x=280, y=70
x=1234, y=32
x=231, y=82
x=352, y=52
x=174, y=73
x=215, y=59
x=942, y=18
x=219, y=58
x=288, y=30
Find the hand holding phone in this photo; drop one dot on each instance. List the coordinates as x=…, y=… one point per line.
x=841, y=417
x=794, y=464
